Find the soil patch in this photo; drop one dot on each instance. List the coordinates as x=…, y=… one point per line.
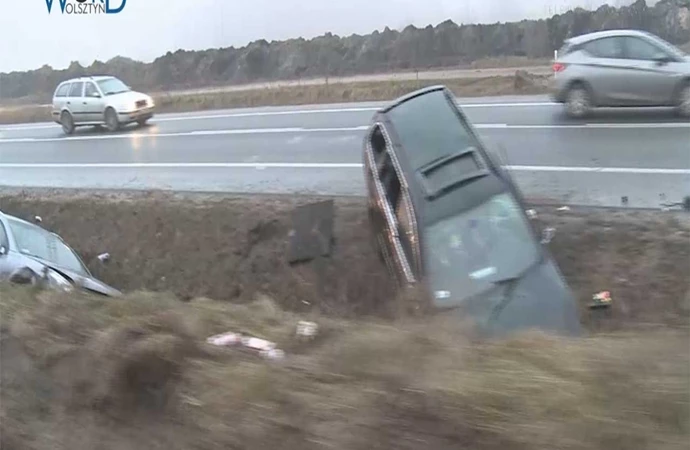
x=233, y=248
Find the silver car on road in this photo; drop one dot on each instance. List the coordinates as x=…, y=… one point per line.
x=620, y=68
x=102, y=100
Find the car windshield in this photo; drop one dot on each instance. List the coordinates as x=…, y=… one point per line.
x=469, y=253
x=672, y=49
x=35, y=241
x=111, y=86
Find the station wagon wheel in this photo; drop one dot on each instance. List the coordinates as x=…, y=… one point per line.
x=578, y=101
x=67, y=122
x=684, y=100
x=111, y=120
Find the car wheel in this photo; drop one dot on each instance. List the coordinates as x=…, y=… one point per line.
x=142, y=122
x=67, y=122
x=578, y=101
x=111, y=120
x=684, y=101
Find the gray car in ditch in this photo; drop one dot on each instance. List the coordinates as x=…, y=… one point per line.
x=30, y=254
x=446, y=215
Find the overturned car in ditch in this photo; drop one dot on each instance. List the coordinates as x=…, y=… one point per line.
x=445, y=213
x=32, y=255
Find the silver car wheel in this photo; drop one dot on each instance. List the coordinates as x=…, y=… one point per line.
x=67, y=122
x=111, y=120
x=577, y=103
x=684, y=105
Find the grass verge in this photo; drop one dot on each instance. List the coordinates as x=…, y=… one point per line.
x=80, y=372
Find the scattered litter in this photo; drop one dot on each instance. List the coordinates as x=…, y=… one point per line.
x=104, y=257
x=38, y=219
x=306, y=302
x=264, y=348
x=564, y=208
x=601, y=300
x=307, y=329
x=531, y=213
x=547, y=235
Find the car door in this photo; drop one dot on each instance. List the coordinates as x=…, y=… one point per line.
x=60, y=99
x=92, y=103
x=75, y=102
x=653, y=72
x=605, y=70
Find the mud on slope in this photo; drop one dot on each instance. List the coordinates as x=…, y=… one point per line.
x=234, y=247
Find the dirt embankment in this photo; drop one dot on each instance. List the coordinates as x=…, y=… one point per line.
x=78, y=372
x=231, y=248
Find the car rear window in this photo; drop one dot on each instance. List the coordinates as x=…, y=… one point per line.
x=75, y=90
x=63, y=90
x=429, y=128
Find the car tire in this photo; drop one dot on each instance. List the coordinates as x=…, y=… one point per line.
x=112, y=123
x=578, y=101
x=142, y=123
x=684, y=101
x=67, y=122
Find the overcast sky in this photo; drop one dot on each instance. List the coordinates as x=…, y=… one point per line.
x=145, y=29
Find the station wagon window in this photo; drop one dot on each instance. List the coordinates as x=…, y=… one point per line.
x=389, y=179
x=429, y=128
x=75, y=90
x=640, y=49
x=378, y=144
x=405, y=227
x=63, y=90
x=611, y=48
x=90, y=89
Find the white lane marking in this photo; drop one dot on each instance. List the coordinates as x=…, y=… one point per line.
x=602, y=126
x=21, y=127
x=241, y=131
x=507, y=105
x=286, y=165
x=134, y=136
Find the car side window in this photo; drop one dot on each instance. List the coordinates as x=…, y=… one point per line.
x=76, y=89
x=403, y=212
x=389, y=179
x=63, y=90
x=90, y=90
x=610, y=48
x=640, y=49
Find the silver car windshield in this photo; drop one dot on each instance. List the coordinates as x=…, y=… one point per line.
x=468, y=253
x=110, y=86
x=37, y=242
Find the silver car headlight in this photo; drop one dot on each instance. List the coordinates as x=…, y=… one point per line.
x=57, y=281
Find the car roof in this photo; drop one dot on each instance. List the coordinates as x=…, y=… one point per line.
x=452, y=179
x=604, y=34
x=93, y=78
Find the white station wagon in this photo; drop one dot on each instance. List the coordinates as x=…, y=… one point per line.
x=97, y=101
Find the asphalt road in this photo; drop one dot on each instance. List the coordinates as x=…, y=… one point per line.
x=640, y=157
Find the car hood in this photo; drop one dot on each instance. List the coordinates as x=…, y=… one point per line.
x=128, y=98
x=540, y=299
x=85, y=282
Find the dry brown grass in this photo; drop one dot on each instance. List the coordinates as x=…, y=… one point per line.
x=81, y=372
x=299, y=95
